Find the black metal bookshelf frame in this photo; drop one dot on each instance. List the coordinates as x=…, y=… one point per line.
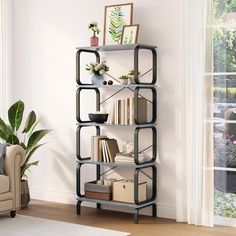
x=139, y=167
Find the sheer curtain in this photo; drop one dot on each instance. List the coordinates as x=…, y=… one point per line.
x=5, y=55
x=194, y=193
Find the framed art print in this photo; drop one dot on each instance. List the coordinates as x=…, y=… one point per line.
x=130, y=34
x=116, y=16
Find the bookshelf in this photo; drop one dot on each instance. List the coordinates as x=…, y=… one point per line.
x=137, y=167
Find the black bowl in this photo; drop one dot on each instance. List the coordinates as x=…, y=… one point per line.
x=98, y=118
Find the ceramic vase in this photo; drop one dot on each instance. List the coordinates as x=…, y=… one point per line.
x=97, y=79
x=94, y=41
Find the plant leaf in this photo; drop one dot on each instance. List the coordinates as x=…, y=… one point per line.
x=36, y=137
x=34, y=125
x=15, y=114
x=26, y=166
x=12, y=139
x=31, y=151
x=29, y=122
x=3, y=130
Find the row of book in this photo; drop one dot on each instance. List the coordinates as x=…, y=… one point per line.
x=103, y=149
x=107, y=150
x=122, y=111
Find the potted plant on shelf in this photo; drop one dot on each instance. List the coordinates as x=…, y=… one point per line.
x=124, y=79
x=27, y=138
x=225, y=156
x=131, y=76
x=98, y=70
x=94, y=40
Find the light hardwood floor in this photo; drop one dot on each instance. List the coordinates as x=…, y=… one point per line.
x=120, y=221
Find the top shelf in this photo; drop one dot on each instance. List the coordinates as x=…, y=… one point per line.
x=118, y=47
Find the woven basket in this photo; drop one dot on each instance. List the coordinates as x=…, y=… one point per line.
x=98, y=196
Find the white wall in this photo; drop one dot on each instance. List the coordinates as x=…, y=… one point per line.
x=46, y=33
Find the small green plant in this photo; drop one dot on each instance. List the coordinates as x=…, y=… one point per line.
x=225, y=153
x=131, y=72
x=30, y=138
x=124, y=77
x=94, y=27
x=97, y=68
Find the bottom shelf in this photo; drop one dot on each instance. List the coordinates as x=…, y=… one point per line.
x=115, y=203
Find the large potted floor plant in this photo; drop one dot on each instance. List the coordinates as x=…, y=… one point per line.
x=26, y=136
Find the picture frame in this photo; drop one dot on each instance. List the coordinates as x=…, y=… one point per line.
x=115, y=17
x=130, y=34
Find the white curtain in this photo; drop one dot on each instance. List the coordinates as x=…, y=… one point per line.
x=5, y=55
x=194, y=195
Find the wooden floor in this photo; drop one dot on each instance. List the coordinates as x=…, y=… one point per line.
x=120, y=221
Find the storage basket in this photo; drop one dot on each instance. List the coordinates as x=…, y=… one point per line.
x=98, y=191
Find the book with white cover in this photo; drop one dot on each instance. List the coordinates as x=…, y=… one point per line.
x=95, y=146
x=122, y=112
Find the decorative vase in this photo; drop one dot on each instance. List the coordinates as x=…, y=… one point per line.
x=97, y=79
x=25, y=195
x=94, y=41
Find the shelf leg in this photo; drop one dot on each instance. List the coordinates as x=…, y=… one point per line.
x=78, y=206
x=99, y=206
x=154, y=210
x=136, y=217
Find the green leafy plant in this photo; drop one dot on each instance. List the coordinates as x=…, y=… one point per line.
x=97, y=68
x=116, y=24
x=225, y=153
x=94, y=27
x=124, y=77
x=10, y=133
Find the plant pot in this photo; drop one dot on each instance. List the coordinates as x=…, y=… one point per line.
x=94, y=41
x=25, y=195
x=97, y=79
x=124, y=81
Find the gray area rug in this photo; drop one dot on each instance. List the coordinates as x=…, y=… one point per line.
x=32, y=226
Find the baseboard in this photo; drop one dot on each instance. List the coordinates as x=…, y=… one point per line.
x=163, y=210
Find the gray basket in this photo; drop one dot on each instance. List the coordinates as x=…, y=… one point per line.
x=94, y=187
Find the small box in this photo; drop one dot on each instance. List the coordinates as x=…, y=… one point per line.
x=93, y=190
x=123, y=191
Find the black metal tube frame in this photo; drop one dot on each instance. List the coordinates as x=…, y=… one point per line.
x=136, y=64
x=154, y=144
x=154, y=105
x=78, y=92
x=78, y=53
x=136, y=185
x=78, y=142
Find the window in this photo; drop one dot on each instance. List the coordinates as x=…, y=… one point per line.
x=221, y=75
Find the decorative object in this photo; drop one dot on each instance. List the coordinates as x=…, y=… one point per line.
x=131, y=76
x=110, y=82
x=124, y=79
x=130, y=34
x=98, y=70
x=98, y=117
x=94, y=39
x=27, y=225
x=116, y=16
x=123, y=191
x=30, y=142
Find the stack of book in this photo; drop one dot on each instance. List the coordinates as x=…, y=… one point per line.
x=103, y=149
x=128, y=157
x=122, y=111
